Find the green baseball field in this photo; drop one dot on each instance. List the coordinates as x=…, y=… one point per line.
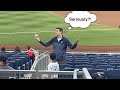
x=19, y=28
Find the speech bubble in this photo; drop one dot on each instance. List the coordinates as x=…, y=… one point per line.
x=81, y=19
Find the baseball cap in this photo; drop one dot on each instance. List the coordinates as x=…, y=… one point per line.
x=3, y=58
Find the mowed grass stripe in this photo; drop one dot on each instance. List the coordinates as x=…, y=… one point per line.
x=99, y=38
x=34, y=23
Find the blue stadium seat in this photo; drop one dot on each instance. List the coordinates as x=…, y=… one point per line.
x=25, y=56
x=91, y=54
x=94, y=59
x=108, y=57
x=20, y=63
x=26, y=60
x=79, y=55
x=98, y=63
x=9, y=54
x=84, y=66
x=10, y=59
x=9, y=63
x=104, y=54
x=100, y=71
x=69, y=60
x=4, y=52
x=14, y=53
x=23, y=59
x=114, y=61
x=63, y=76
x=22, y=53
x=115, y=64
x=70, y=63
x=115, y=55
x=118, y=57
x=69, y=55
x=81, y=63
x=113, y=74
x=30, y=64
x=63, y=66
x=118, y=67
x=13, y=64
x=105, y=67
x=81, y=59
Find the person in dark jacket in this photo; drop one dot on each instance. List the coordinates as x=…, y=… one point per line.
x=4, y=66
x=60, y=44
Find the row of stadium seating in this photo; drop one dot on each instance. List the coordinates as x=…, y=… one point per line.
x=19, y=61
x=107, y=65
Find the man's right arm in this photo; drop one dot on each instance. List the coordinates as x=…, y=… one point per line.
x=46, y=44
x=43, y=43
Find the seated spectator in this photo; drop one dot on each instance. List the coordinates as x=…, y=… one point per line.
x=3, y=49
x=31, y=49
x=17, y=49
x=53, y=66
x=31, y=53
x=97, y=76
x=4, y=66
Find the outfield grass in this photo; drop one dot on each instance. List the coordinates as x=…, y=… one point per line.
x=12, y=23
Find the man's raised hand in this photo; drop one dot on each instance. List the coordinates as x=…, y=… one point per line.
x=37, y=37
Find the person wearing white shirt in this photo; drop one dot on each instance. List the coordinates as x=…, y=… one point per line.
x=53, y=66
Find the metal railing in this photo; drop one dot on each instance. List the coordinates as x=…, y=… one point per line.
x=86, y=74
x=38, y=70
x=38, y=73
x=39, y=64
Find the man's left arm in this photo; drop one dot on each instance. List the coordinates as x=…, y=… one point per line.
x=72, y=46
